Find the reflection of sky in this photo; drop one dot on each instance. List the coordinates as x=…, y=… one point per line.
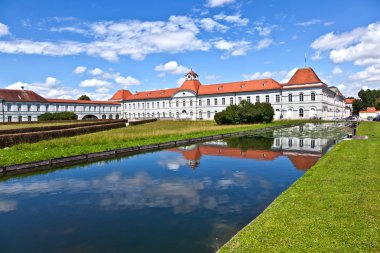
x=155, y=191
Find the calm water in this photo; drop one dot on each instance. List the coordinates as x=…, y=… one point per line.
x=187, y=199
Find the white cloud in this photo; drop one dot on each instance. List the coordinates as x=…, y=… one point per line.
x=266, y=74
x=233, y=48
x=4, y=30
x=263, y=44
x=342, y=87
x=369, y=75
x=181, y=80
x=337, y=71
x=94, y=83
x=263, y=30
x=218, y=3
x=80, y=70
x=236, y=19
x=96, y=72
x=69, y=29
x=126, y=81
x=309, y=22
x=172, y=67
x=209, y=24
x=361, y=46
x=7, y=206
x=110, y=40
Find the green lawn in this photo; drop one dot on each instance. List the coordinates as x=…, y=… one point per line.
x=150, y=133
x=334, y=207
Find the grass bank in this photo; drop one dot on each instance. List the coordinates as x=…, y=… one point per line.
x=150, y=133
x=334, y=207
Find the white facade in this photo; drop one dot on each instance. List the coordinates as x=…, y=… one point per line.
x=303, y=101
x=24, y=111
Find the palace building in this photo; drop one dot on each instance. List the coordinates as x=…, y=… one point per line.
x=25, y=105
x=303, y=96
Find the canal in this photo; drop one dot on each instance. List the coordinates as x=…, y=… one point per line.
x=185, y=199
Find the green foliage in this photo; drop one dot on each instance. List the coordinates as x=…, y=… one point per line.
x=247, y=142
x=245, y=113
x=357, y=106
x=58, y=116
x=370, y=98
x=84, y=97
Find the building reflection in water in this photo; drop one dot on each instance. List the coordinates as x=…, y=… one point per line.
x=303, y=149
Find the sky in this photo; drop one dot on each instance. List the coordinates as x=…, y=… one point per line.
x=63, y=49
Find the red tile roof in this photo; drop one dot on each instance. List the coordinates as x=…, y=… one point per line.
x=304, y=76
x=121, y=95
x=349, y=100
x=21, y=96
x=303, y=162
x=242, y=86
x=301, y=77
x=192, y=85
x=152, y=94
x=370, y=110
x=69, y=101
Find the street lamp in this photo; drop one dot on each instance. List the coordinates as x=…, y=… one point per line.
x=2, y=107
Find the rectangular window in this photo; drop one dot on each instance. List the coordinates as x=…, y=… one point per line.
x=257, y=99
x=158, y=104
x=19, y=108
x=163, y=104
x=200, y=102
x=267, y=98
x=215, y=101
x=239, y=100
x=231, y=101
x=29, y=107
x=134, y=106
x=152, y=104
x=249, y=99
x=277, y=98
x=208, y=101
x=223, y=101
x=9, y=107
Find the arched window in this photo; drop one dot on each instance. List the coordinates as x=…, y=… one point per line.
x=163, y=114
x=200, y=115
x=290, y=98
x=301, y=97
x=313, y=96
x=191, y=114
x=177, y=114
x=301, y=113
x=158, y=115
x=152, y=114
x=148, y=115
x=208, y=114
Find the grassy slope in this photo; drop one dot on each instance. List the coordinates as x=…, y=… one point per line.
x=118, y=138
x=334, y=207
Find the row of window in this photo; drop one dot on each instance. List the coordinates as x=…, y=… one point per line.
x=46, y=108
x=301, y=143
x=301, y=97
x=216, y=101
x=170, y=115
x=29, y=118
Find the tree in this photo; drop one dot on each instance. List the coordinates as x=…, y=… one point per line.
x=357, y=105
x=58, y=116
x=245, y=113
x=84, y=97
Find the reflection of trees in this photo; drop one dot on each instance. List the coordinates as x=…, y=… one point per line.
x=251, y=142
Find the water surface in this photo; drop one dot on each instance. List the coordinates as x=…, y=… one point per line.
x=186, y=199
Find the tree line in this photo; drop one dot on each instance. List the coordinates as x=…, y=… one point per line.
x=368, y=98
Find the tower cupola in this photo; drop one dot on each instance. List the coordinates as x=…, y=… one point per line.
x=191, y=75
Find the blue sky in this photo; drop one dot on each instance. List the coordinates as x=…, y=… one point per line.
x=62, y=49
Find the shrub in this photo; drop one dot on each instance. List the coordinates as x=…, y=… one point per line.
x=245, y=112
x=58, y=116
